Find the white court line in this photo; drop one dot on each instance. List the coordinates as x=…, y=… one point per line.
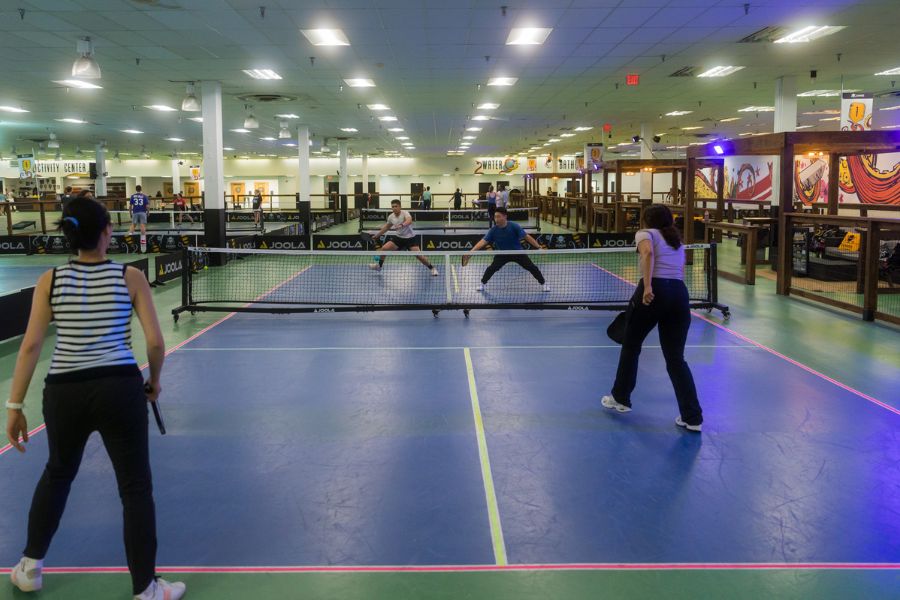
x=371, y=348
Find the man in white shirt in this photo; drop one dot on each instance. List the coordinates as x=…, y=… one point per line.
x=402, y=237
x=503, y=197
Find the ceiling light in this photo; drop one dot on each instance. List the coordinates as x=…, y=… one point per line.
x=830, y=111
x=691, y=128
x=402, y=137
x=288, y=116
x=360, y=82
x=251, y=122
x=583, y=128
x=809, y=33
x=284, y=133
x=134, y=131
x=161, y=107
x=831, y=119
x=567, y=135
x=78, y=84
x=268, y=138
x=70, y=120
x=190, y=102
x=758, y=109
x=729, y=119
x=228, y=148
x=502, y=81
x=325, y=37
x=720, y=71
x=803, y=126
x=488, y=106
x=196, y=119
x=481, y=118
x=891, y=107
x=85, y=67
x=410, y=147
x=262, y=73
x=527, y=36
x=895, y=71
x=395, y=129
x=174, y=139
x=241, y=130
x=678, y=113
x=473, y=128
x=53, y=142
x=349, y=129
x=554, y=140
x=12, y=109
x=469, y=137
x=891, y=127
x=823, y=93
x=378, y=107
x=387, y=118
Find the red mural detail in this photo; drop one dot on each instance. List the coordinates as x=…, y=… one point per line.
x=874, y=186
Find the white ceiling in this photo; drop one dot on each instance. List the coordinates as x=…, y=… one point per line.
x=427, y=58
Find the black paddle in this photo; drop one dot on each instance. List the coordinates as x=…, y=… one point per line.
x=156, y=414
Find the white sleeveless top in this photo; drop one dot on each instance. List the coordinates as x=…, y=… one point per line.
x=92, y=310
x=668, y=263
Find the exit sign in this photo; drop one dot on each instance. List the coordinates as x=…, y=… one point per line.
x=632, y=79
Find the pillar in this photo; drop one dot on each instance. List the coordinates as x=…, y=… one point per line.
x=343, y=185
x=176, y=177
x=785, y=104
x=365, y=174
x=213, y=167
x=100, y=182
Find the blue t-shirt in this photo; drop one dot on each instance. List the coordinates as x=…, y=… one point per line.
x=139, y=203
x=506, y=238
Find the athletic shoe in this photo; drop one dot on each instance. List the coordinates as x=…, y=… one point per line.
x=610, y=402
x=375, y=266
x=161, y=589
x=480, y=287
x=680, y=423
x=545, y=288
x=27, y=575
x=434, y=271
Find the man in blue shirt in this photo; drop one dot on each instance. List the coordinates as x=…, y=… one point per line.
x=138, y=204
x=508, y=235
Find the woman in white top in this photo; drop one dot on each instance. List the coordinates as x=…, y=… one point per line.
x=93, y=384
x=661, y=299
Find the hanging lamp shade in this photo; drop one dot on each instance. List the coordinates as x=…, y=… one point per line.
x=190, y=102
x=85, y=66
x=251, y=122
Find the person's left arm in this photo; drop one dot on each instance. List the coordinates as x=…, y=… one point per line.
x=531, y=241
x=645, y=249
x=29, y=353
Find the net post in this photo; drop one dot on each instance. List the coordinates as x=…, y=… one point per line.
x=448, y=280
x=185, y=276
x=712, y=274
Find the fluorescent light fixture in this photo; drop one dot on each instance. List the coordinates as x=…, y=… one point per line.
x=488, y=106
x=349, y=129
x=758, y=109
x=895, y=71
x=823, y=93
x=325, y=37
x=378, y=107
x=691, y=128
x=481, y=118
x=891, y=107
x=288, y=116
x=262, y=73
x=387, y=118
x=469, y=137
x=230, y=149
x=78, y=84
x=583, y=128
x=12, y=109
x=804, y=126
x=567, y=135
x=161, y=107
x=473, y=128
x=891, y=127
x=410, y=147
x=809, y=33
x=268, y=138
x=359, y=82
x=831, y=119
x=196, y=119
x=402, y=137
x=395, y=129
x=718, y=149
x=729, y=119
x=720, y=71
x=134, y=131
x=502, y=81
x=678, y=113
x=554, y=140
x=241, y=130
x=830, y=111
x=527, y=36
x=71, y=120
x=85, y=66
x=174, y=139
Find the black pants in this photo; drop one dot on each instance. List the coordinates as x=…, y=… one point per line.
x=500, y=261
x=457, y=204
x=116, y=407
x=670, y=311
x=426, y=204
x=492, y=208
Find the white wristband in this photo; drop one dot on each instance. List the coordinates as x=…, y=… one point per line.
x=15, y=405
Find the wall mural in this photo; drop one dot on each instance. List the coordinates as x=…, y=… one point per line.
x=746, y=178
x=863, y=179
x=810, y=180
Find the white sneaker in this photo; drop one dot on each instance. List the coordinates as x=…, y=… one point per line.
x=680, y=423
x=610, y=402
x=27, y=575
x=545, y=288
x=480, y=287
x=434, y=271
x=161, y=589
x=375, y=266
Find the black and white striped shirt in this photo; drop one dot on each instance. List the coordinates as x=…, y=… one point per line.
x=92, y=310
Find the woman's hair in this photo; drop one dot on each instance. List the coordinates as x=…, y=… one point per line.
x=658, y=216
x=83, y=220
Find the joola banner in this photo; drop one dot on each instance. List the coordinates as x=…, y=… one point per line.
x=282, y=242
x=168, y=267
x=12, y=244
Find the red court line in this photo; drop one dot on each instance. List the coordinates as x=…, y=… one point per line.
x=806, y=368
x=496, y=568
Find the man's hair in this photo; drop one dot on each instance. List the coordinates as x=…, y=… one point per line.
x=137, y=188
x=393, y=202
x=68, y=188
x=502, y=210
x=428, y=188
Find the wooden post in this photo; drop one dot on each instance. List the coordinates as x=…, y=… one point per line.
x=43, y=216
x=688, y=232
x=675, y=186
x=834, y=162
x=750, y=249
x=8, y=210
x=720, y=191
x=589, y=215
x=605, y=187
x=785, y=193
x=870, y=294
x=618, y=194
x=785, y=257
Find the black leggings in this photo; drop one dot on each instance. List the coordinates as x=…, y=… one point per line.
x=492, y=208
x=116, y=407
x=500, y=261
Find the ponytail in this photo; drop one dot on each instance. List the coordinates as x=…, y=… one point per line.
x=658, y=216
x=82, y=222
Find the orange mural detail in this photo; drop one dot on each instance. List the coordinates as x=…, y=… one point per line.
x=862, y=176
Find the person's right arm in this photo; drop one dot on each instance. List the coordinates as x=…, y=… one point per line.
x=146, y=313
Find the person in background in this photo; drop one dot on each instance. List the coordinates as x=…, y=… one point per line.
x=179, y=204
x=457, y=200
x=426, y=199
x=661, y=299
x=503, y=197
x=491, y=197
x=257, y=206
x=66, y=197
x=550, y=191
x=94, y=384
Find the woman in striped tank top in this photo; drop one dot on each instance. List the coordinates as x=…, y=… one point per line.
x=94, y=384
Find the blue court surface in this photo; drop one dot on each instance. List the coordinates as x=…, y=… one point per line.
x=368, y=439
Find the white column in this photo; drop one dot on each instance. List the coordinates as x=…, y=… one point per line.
x=176, y=176
x=303, y=186
x=365, y=173
x=785, y=104
x=213, y=160
x=646, y=178
x=100, y=182
x=60, y=184
x=344, y=185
